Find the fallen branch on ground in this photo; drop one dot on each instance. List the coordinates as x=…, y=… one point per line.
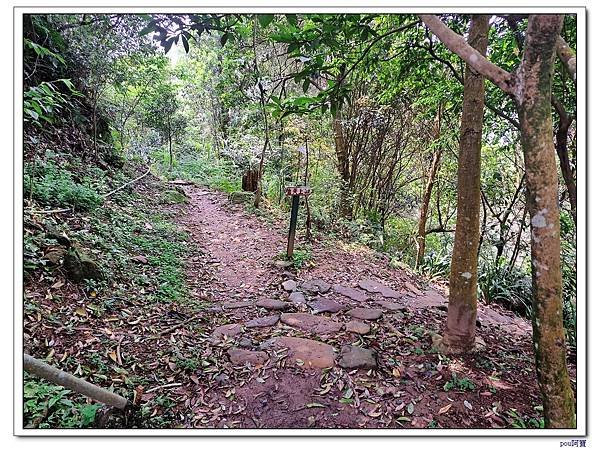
x=175, y=327
x=182, y=183
x=126, y=184
x=57, y=376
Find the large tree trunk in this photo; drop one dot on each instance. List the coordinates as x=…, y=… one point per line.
x=459, y=335
x=533, y=99
x=433, y=170
x=531, y=89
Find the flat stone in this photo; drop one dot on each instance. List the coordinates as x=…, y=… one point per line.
x=352, y=357
x=140, y=259
x=374, y=286
x=392, y=306
x=311, y=323
x=289, y=285
x=230, y=330
x=262, y=322
x=366, y=313
x=283, y=264
x=325, y=305
x=241, y=357
x=355, y=326
x=272, y=304
x=297, y=298
x=316, y=286
x=411, y=287
x=351, y=293
x=430, y=299
x=235, y=305
x=370, y=285
x=390, y=293
x=313, y=353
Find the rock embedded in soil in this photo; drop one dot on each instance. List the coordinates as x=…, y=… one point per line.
x=351, y=293
x=230, y=330
x=355, y=326
x=236, y=305
x=140, y=259
x=272, y=304
x=283, y=264
x=289, y=285
x=310, y=323
x=366, y=313
x=316, y=286
x=411, y=287
x=322, y=305
x=392, y=306
x=262, y=322
x=312, y=353
x=241, y=357
x=352, y=357
x=79, y=266
x=374, y=286
x=297, y=298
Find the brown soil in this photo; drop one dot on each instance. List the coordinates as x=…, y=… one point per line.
x=411, y=387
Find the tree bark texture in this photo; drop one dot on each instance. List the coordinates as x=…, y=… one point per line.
x=533, y=92
x=459, y=335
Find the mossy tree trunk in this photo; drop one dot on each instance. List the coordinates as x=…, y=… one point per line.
x=533, y=90
x=459, y=335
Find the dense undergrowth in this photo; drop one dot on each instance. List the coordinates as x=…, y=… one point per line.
x=139, y=255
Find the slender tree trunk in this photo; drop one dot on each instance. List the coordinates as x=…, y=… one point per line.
x=533, y=99
x=459, y=335
x=433, y=170
x=562, y=150
x=343, y=165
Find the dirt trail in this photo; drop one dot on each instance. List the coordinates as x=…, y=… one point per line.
x=346, y=343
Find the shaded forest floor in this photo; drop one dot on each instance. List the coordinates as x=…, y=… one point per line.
x=342, y=341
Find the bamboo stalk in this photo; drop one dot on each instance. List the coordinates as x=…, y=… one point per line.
x=57, y=376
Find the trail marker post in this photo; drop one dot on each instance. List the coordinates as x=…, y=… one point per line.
x=295, y=192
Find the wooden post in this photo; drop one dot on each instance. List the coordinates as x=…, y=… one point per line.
x=293, y=221
x=295, y=192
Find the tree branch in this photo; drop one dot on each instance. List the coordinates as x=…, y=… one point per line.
x=567, y=57
x=478, y=62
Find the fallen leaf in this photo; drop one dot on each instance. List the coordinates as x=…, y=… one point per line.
x=468, y=405
x=445, y=409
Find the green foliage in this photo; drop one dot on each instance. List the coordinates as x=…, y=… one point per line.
x=505, y=285
x=55, y=186
x=45, y=102
x=459, y=384
x=48, y=406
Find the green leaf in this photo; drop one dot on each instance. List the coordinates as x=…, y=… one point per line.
x=315, y=405
x=265, y=19
x=292, y=19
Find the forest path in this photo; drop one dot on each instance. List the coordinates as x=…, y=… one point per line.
x=343, y=342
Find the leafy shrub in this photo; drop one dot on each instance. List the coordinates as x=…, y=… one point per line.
x=44, y=102
x=503, y=285
x=51, y=185
x=50, y=406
